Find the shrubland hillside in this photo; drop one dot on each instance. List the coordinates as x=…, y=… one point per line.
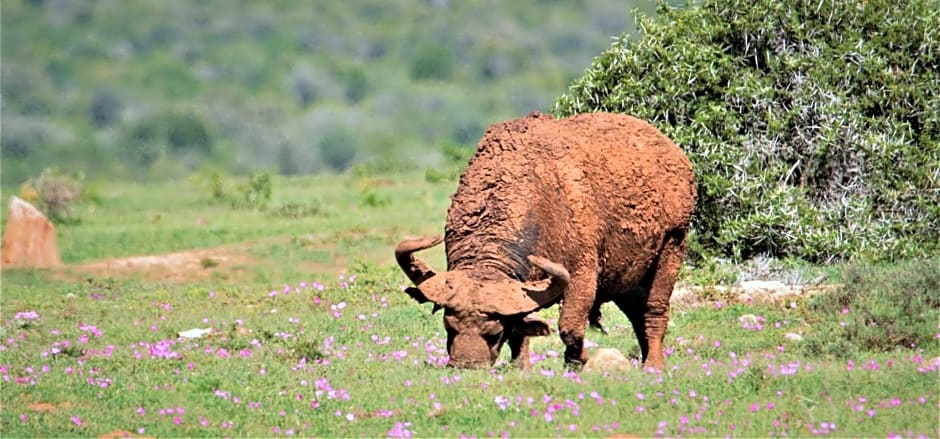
x=155, y=89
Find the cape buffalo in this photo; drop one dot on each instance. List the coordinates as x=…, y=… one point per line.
x=577, y=211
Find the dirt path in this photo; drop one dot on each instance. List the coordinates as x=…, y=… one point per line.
x=231, y=262
x=182, y=266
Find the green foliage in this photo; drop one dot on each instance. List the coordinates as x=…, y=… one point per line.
x=78, y=78
x=254, y=194
x=432, y=61
x=175, y=132
x=106, y=107
x=213, y=182
x=25, y=89
x=879, y=309
x=187, y=132
x=257, y=192
x=22, y=140
x=338, y=148
x=813, y=127
x=456, y=157
x=368, y=196
x=356, y=83
x=384, y=165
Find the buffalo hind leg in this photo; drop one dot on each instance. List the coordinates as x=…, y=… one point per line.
x=519, y=348
x=649, y=313
x=635, y=309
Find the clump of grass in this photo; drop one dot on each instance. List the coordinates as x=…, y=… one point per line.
x=208, y=262
x=879, y=309
x=254, y=194
x=296, y=210
x=306, y=350
x=368, y=196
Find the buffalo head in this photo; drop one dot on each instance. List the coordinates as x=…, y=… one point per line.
x=481, y=314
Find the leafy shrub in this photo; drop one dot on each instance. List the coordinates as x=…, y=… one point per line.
x=456, y=157
x=213, y=182
x=187, y=132
x=25, y=90
x=879, y=308
x=432, y=61
x=106, y=107
x=55, y=193
x=813, y=127
x=369, y=196
x=338, y=148
x=257, y=192
x=20, y=140
x=356, y=84
x=181, y=133
x=143, y=144
x=305, y=91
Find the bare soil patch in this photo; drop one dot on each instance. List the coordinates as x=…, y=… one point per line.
x=182, y=266
x=46, y=407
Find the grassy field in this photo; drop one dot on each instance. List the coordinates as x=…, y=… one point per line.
x=311, y=336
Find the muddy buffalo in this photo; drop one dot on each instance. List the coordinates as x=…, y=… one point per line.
x=580, y=211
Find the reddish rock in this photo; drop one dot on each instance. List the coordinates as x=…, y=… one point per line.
x=29, y=239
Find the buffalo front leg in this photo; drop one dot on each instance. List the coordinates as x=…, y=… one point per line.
x=656, y=312
x=573, y=317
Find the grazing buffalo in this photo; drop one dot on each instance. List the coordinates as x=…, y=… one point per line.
x=577, y=211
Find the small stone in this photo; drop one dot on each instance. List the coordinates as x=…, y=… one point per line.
x=607, y=359
x=749, y=319
x=792, y=336
x=195, y=332
x=762, y=287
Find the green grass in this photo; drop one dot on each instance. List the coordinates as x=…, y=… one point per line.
x=359, y=358
x=136, y=219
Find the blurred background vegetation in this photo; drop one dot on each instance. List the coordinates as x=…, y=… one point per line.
x=150, y=90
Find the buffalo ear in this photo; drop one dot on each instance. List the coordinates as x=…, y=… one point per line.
x=534, y=327
x=416, y=294
x=419, y=296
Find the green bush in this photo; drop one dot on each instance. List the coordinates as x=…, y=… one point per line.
x=179, y=133
x=257, y=192
x=356, y=83
x=338, y=148
x=106, y=107
x=456, y=157
x=813, y=127
x=187, y=132
x=432, y=61
x=213, y=182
